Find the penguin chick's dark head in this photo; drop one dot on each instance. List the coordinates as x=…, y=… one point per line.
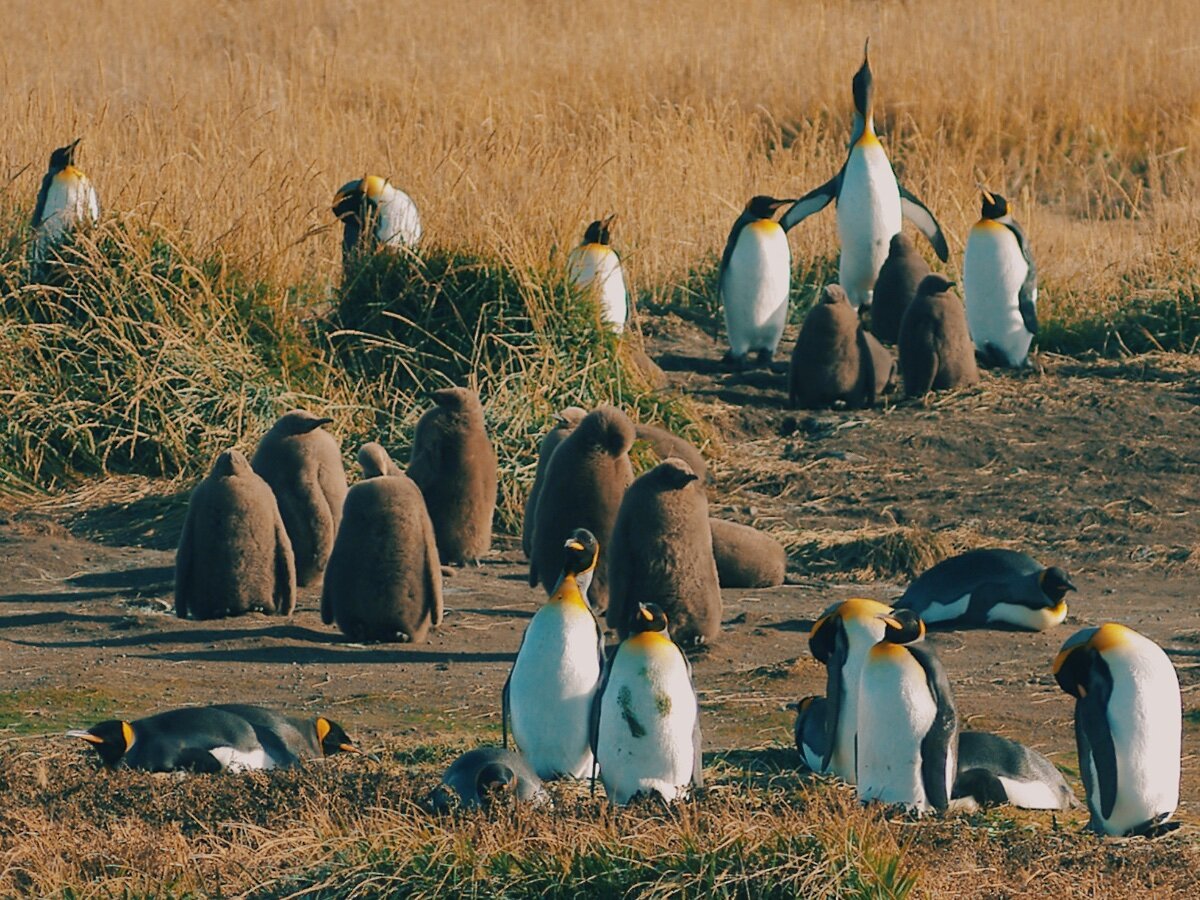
x=764, y=207
x=600, y=231
x=111, y=740
x=863, y=83
x=609, y=428
x=299, y=421
x=648, y=617
x=231, y=464
x=580, y=552
x=64, y=156
x=903, y=626
x=933, y=284
x=673, y=473
x=333, y=738
x=1055, y=583
x=834, y=294
x=994, y=206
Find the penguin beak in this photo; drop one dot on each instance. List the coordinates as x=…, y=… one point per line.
x=987, y=196
x=890, y=620
x=574, y=545
x=867, y=52
x=86, y=735
x=349, y=748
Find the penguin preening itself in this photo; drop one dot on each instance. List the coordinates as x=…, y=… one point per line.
x=646, y=718
x=1128, y=721
x=210, y=739
x=870, y=202
x=907, y=723
x=595, y=266
x=753, y=280
x=65, y=201
x=563, y=425
x=841, y=639
x=234, y=554
x=895, y=287
x=549, y=692
x=303, y=465
x=993, y=770
x=990, y=587
x=375, y=214
x=384, y=579
x=934, y=342
x=1000, y=286
x=484, y=776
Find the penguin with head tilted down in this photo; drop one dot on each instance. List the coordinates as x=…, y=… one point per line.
x=1128, y=722
x=646, y=718
x=548, y=696
x=375, y=214
x=65, y=201
x=907, y=723
x=753, y=281
x=1000, y=286
x=484, y=777
x=595, y=266
x=870, y=202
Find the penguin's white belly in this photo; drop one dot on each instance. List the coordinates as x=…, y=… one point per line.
x=1144, y=715
x=1031, y=794
x=946, y=612
x=895, y=712
x=233, y=760
x=842, y=760
x=550, y=693
x=868, y=215
x=598, y=267
x=993, y=272
x=69, y=202
x=754, y=288
x=1024, y=617
x=647, y=717
x=399, y=224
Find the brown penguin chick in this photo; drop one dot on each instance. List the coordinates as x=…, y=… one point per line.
x=747, y=558
x=563, y=425
x=665, y=445
x=454, y=465
x=895, y=287
x=585, y=480
x=303, y=465
x=662, y=552
x=384, y=581
x=234, y=555
x=936, y=351
x=834, y=359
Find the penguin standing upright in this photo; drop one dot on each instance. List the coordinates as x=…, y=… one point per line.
x=835, y=359
x=870, y=202
x=375, y=214
x=895, y=287
x=840, y=639
x=568, y=418
x=934, y=342
x=1000, y=286
x=65, y=201
x=753, y=280
x=907, y=723
x=646, y=718
x=594, y=265
x=549, y=692
x=1128, y=722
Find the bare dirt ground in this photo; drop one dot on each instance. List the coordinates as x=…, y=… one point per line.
x=1091, y=465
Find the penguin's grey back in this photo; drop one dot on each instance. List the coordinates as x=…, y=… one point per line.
x=953, y=577
x=462, y=778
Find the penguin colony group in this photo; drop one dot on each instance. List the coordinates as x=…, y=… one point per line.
x=643, y=551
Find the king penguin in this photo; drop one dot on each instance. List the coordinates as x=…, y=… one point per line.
x=595, y=266
x=994, y=770
x=907, y=723
x=65, y=201
x=1128, y=721
x=386, y=215
x=870, y=202
x=840, y=639
x=811, y=733
x=990, y=586
x=754, y=280
x=481, y=777
x=1000, y=286
x=646, y=718
x=549, y=692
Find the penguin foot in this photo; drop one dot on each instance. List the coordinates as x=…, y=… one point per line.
x=763, y=358
x=736, y=363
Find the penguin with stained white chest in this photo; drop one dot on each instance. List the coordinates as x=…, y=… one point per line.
x=1128, y=726
x=870, y=202
x=65, y=201
x=1000, y=286
x=594, y=266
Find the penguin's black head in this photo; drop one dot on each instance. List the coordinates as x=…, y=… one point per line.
x=933, y=284
x=1055, y=583
x=64, y=156
x=600, y=231
x=994, y=206
x=1073, y=664
x=495, y=782
x=111, y=740
x=648, y=617
x=351, y=201
x=333, y=738
x=580, y=552
x=764, y=207
x=903, y=626
x=863, y=84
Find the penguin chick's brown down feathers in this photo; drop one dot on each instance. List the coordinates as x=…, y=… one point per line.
x=746, y=557
x=563, y=425
x=835, y=359
x=895, y=288
x=936, y=352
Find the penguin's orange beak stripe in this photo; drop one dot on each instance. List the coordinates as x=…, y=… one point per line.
x=891, y=620
x=90, y=738
x=348, y=748
x=574, y=545
x=647, y=615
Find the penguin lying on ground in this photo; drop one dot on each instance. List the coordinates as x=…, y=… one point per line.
x=746, y=557
x=665, y=445
x=594, y=265
x=990, y=587
x=481, y=777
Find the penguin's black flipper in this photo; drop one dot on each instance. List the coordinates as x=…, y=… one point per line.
x=43, y=193
x=940, y=744
x=1091, y=727
x=505, y=707
x=812, y=202
x=918, y=213
x=1027, y=296
x=834, y=688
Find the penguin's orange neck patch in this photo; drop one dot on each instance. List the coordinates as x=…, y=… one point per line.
x=887, y=650
x=868, y=138
x=649, y=642
x=988, y=224
x=765, y=226
x=1108, y=636
x=127, y=733
x=568, y=593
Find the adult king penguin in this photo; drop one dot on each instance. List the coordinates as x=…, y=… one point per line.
x=870, y=202
x=646, y=718
x=595, y=266
x=66, y=200
x=1128, y=720
x=1000, y=286
x=754, y=279
x=840, y=639
x=373, y=208
x=907, y=724
x=549, y=692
